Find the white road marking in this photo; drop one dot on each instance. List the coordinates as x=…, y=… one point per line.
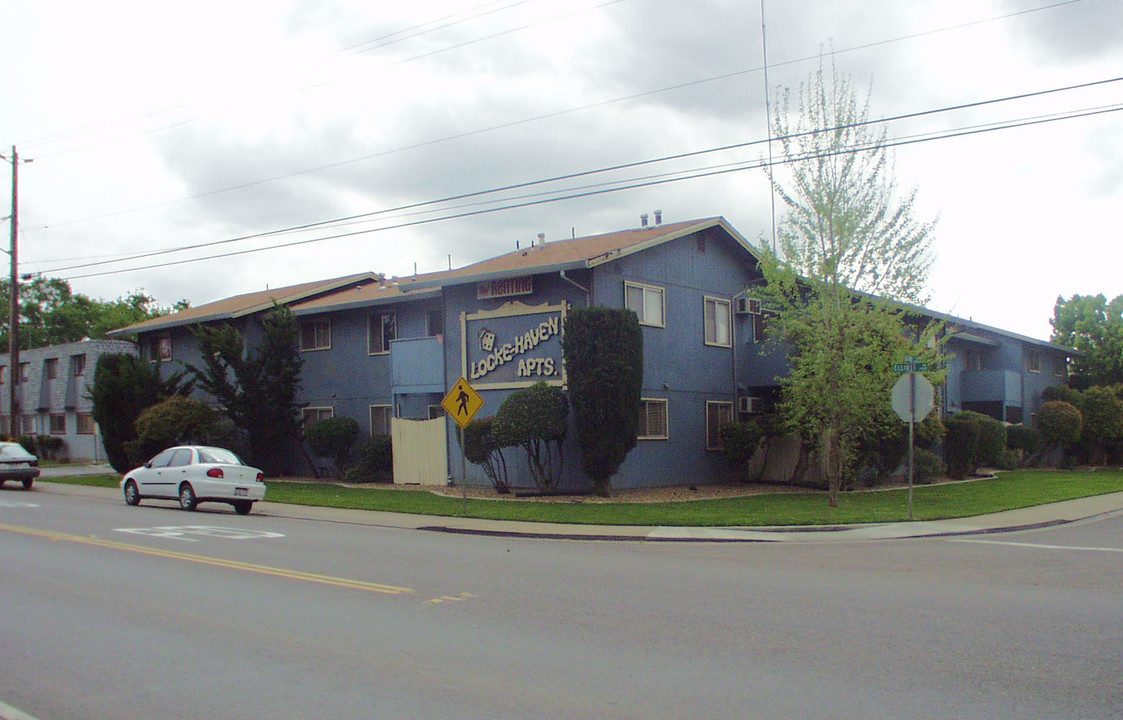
x=180, y=532
x=4, y=504
x=1037, y=545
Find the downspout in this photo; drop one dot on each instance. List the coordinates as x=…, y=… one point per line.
x=574, y=283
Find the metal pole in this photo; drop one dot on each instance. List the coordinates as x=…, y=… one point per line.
x=13, y=306
x=912, y=424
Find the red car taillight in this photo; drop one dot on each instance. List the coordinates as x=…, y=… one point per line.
x=261, y=477
x=34, y=463
x=215, y=472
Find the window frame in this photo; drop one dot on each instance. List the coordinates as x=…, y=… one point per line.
x=430, y=314
x=644, y=290
x=307, y=412
x=715, y=302
x=713, y=434
x=389, y=416
x=382, y=331
x=52, y=418
x=87, y=417
x=1033, y=362
x=645, y=403
x=50, y=368
x=316, y=324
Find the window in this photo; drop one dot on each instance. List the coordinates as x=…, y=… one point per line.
x=1033, y=361
x=652, y=419
x=380, y=419
x=160, y=349
x=315, y=334
x=86, y=423
x=312, y=415
x=972, y=360
x=382, y=328
x=717, y=414
x=58, y=424
x=181, y=458
x=23, y=372
x=1060, y=366
x=434, y=322
x=3, y=376
x=436, y=411
x=4, y=429
x=646, y=301
x=30, y=425
x=78, y=362
x=717, y=322
x=162, y=459
x=51, y=368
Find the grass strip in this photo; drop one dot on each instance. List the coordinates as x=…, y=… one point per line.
x=1007, y=491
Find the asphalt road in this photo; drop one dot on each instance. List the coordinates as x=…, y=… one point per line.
x=151, y=612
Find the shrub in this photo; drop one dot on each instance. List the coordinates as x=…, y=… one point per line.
x=962, y=446
x=1024, y=438
x=373, y=461
x=175, y=421
x=1063, y=393
x=536, y=419
x=1008, y=459
x=927, y=466
x=481, y=448
x=739, y=441
x=333, y=438
x=1103, y=423
x=1059, y=422
x=992, y=437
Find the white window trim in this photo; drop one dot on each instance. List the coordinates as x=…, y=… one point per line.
x=370, y=322
x=666, y=416
x=728, y=405
x=316, y=321
x=717, y=301
x=646, y=288
x=305, y=412
x=370, y=417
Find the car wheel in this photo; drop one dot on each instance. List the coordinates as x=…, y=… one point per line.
x=132, y=495
x=187, y=499
x=27, y=483
x=243, y=507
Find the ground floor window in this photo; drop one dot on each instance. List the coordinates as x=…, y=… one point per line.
x=313, y=415
x=436, y=411
x=30, y=425
x=717, y=414
x=85, y=423
x=652, y=419
x=58, y=424
x=380, y=419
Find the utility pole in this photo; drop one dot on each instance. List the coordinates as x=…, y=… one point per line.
x=13, y=307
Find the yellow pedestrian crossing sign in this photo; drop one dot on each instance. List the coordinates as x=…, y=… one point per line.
x=462, y=402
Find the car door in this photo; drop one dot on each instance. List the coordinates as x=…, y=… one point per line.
x=150, y=479
x=176, y=471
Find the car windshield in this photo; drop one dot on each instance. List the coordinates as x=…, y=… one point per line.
x=219, y=456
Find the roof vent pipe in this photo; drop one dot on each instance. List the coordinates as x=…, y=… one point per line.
x=658, y=217
x=643, y=220
x=541, y=238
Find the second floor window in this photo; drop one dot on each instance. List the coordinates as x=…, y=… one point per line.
x=160, y=350
x=315, y=334
x=646, y=301
x=382, y=329
x=52, y=368
x=652, y=419
x=717, y=322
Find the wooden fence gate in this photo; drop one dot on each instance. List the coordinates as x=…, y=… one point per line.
x=420, y=451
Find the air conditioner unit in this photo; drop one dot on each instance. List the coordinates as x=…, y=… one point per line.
x=750, y=405
x=746, y=306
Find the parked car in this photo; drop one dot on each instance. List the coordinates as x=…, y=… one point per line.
x=194, y=474
x=16, y=463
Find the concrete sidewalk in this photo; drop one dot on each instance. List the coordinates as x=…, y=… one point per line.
x=1010, y=520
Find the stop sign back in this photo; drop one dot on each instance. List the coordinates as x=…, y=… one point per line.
x=922, y=400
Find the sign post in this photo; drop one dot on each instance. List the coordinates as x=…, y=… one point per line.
x=912, y=400
x=462, y=402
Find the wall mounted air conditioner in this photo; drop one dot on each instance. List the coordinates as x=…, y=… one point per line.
x=746, y=306
x=750, y=405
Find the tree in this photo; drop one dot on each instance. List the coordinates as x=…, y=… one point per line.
x=845, y=245
x=1094, y=327
x=1060, y=423
x=1102, y=432
x=256, y=387
x=603, y=351
x=535, y=418
x=177, y=421
x=124, y=385
x=52, y=314
x=481, y=448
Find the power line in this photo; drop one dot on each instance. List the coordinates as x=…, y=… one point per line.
x=710, y=172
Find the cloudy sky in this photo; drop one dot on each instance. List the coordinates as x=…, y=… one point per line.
x=237, y=130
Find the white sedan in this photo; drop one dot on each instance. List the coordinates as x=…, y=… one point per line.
x=194, y=474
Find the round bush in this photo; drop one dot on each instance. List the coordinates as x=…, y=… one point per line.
x=1060, y=422
x=1024, y=438
x=927, y=466
x=962, y=446
x=333, y=438
x=374, y=461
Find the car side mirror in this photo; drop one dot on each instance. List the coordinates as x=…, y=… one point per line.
x=148, y=464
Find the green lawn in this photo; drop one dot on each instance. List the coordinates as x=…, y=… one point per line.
x=1008, y=491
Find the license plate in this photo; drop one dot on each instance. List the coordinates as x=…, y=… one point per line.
x=242, y=492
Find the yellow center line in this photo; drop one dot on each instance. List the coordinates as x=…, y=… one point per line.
x=215, y=562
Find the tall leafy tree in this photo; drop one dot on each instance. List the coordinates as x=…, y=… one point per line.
x=257, y=387
x=123, y=387
x=1093, y=326
x=603, y=349
x=846, y=246
x=51, y=313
